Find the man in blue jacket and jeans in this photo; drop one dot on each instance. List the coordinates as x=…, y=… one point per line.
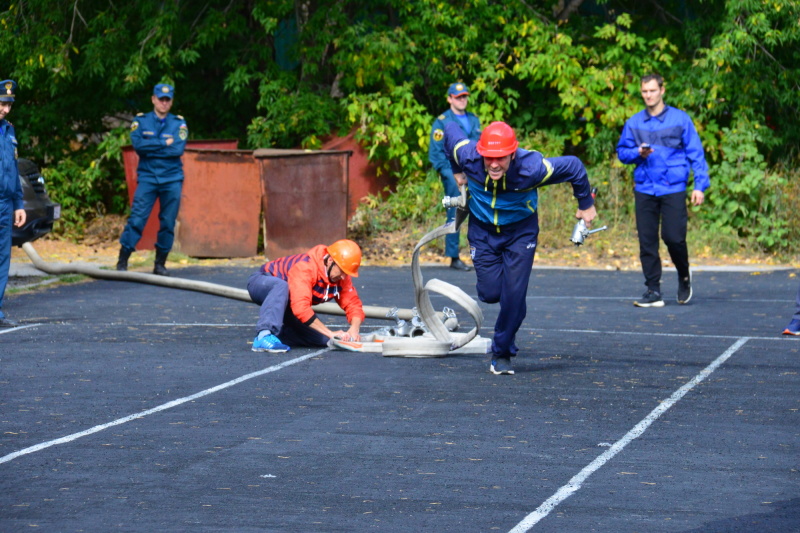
x=663, y=144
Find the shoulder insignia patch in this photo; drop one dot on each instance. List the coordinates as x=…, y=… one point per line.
x=438, y=135
x=134, y=125
x=183, y=132
x=139, y=114
x=180, y=117
x=441, y=117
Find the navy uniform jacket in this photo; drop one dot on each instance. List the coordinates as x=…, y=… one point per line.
x=675, y=144
x=10, y=188
x=436, y=153
x=514, y=197
x=159, y=163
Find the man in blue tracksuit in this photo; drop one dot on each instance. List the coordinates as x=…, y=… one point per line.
x=663, y=144
x=159, y=139
x=504, y=223
x=11, y=208
x=457, y=97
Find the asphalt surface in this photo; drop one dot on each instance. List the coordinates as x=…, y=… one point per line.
x=127, y=407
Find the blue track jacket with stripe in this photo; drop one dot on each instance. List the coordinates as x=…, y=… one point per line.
x=514, y=197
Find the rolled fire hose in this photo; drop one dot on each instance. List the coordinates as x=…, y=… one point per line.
x=330, y=308
x=443, y=342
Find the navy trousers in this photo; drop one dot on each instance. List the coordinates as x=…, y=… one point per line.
x=169, y=197
x=275, y=314
x=503, y=263
x=6, y=223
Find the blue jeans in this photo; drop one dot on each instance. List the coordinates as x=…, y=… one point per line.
x=275, y=314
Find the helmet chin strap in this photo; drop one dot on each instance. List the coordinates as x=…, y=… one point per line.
x=329, y=263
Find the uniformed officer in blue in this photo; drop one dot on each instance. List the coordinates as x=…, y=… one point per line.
x=504, y=222
x=11, y=208
x=457, y=97
x=159, y=139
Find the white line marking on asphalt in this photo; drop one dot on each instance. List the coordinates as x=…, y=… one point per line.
x=575, y=483
x=634, y=297
x=162, y=407
x=208, y=325
x=26, y=326
x=777, y=337
x=631, y=298
x=781, y=338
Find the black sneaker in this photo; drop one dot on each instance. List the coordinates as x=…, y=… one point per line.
x=650, y=298
x=458, y=264
x=685, y=289
x=502, y=365
x=8, y=323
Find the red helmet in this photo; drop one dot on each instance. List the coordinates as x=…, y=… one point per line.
x=347, y=256
x=497, y=140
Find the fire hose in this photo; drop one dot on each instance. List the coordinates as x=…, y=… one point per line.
x=439, y=341
x=385, y=313
x=410, y=323
x=419, y=332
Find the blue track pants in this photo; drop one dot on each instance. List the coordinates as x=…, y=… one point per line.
x=503, y=262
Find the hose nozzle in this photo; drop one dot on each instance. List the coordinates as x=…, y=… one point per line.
x=580, y=232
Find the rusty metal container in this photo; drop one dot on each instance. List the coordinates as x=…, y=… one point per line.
x=130, y=161
x=363, y=175
x=304, y=198
x=220, y=204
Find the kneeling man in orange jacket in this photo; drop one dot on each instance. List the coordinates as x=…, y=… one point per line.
x=287, y=287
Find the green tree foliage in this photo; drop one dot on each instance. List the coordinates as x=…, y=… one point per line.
x=281, y=73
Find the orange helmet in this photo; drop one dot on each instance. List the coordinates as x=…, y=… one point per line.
x=347, y=256
x=497, y=140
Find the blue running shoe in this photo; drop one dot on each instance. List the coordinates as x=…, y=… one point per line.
x=793, y=328
x=502, y=365
x=269, y=343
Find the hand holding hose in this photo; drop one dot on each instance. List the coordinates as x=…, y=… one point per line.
x=587, y=215
x=585, y=218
